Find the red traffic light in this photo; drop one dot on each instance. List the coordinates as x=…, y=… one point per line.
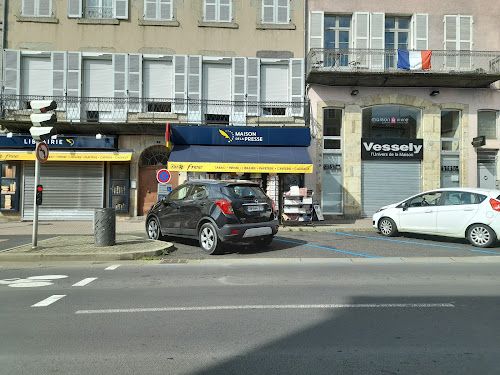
x=39, y=188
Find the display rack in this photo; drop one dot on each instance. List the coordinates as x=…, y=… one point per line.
x=119, y=187
x=9, y=182
x=297, y=206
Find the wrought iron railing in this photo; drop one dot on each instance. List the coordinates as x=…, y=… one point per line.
x=133, y=110
x=98, y=12
x=386, y=60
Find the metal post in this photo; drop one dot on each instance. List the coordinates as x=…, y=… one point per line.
x=35, y=206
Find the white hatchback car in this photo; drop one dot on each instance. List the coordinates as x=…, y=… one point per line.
x=454, y=212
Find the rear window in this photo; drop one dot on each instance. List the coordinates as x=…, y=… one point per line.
x=481, y=197
x=244, y=191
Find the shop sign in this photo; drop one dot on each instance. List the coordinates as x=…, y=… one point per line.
x=239, y=167
x=69, y=142
x=391, y=148
x=240, y=136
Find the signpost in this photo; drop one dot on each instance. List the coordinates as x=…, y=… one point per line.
x=163, y=176
x=42, y=152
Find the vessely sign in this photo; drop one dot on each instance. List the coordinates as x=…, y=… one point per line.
x=392, y=148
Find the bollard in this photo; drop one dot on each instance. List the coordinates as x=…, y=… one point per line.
x=104, y=227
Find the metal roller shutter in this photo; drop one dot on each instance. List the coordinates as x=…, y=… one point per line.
x=386, y=182
x=71, y=191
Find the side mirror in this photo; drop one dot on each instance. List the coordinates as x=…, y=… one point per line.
x=405, y=206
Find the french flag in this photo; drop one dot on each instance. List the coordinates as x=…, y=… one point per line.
x=414, y=60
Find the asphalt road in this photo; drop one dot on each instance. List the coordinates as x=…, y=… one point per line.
x=313, y=318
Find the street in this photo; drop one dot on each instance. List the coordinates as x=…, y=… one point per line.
x=222, y=318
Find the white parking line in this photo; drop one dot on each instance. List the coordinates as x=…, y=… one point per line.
x=85, y=281
x=259, y=307
x=50, y=300
x=113, y=267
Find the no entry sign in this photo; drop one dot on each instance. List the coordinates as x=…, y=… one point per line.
x=163, y=176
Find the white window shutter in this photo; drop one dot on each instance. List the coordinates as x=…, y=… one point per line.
x=74, y=86
x=194, y=89
x=225, y=11
x=120, y=9
x=165, y=12
x=316, y=35
x=297, y=87
x=210, y=11
x=253, y=86
x=12, y=78
x=239, y=91
x=44, y=8
x=120, y=86
x=377, y=39
x=135, y=82
x=28, y=8
x=75, y=8
x=450, y=39
x=268, y=11
x=465, y=42
x=180, y=83
x=360, y=40
x=283, y=11
x=58, y=75
x=150, y=7
x=420, y=32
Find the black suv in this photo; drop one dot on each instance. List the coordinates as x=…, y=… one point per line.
x=214, y=212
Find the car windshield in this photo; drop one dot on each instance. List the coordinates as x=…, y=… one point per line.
x=244, y=191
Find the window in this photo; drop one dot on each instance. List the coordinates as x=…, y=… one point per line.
x=157, y=76
x=274, y=89
x=458, y=37
x=37, y=8
x=34, y=77
x=487, y=124
x=428, y=199
x=397, y=36
x=337, y=36
x=332, y=125
x=459, y=198
x=217, y=11
x=450, y=149
x=179, y=193
x=391, y=121
x=98, y=9
x=198, y=192
x=275, y=11
x=158, y=10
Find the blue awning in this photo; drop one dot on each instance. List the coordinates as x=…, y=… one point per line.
x=256, y=159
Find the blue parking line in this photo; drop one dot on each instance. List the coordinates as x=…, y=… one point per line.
x=327, y=248
x=415, y=243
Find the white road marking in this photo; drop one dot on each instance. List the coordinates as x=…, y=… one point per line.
x=259, y=307
x=50, y=300
x=47, y=277
x=85, y=281
x=113, y=267
x=30, y=284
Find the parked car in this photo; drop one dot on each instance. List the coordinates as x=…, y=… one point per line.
x=214, y=212
x=462, y=213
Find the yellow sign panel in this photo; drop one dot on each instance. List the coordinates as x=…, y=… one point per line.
x=68, y=156
x=239, y=167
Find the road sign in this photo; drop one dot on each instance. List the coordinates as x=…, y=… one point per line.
x=42, y=152
x=163, y=176
x=163, y=190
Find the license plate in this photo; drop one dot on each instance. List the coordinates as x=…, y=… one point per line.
x=255, y=208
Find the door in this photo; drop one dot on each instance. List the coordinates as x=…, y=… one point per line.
x=486, y=175
x=192, y=209
x=148, y=190
x=457, y=211
x=170, y=214
x=420, y=213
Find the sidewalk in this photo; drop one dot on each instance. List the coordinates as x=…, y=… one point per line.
x=74, y=240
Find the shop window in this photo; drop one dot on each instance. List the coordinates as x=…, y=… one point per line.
x=332, y=125
x=391, y=121
x=119, y=187
x=487, y=124
x=9, y=185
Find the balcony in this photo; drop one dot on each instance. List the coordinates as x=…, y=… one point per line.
x=372, y=67
x=85, y=115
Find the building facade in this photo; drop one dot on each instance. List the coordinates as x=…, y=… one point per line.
x=125, y=75
x=398, y=93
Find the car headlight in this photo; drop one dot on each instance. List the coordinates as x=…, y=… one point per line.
x=380, y=209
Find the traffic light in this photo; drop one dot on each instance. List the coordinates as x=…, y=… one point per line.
x=40, y=119
x=39, y=191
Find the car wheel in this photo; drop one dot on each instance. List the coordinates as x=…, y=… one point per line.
x=387, y=227
x=209, y=241
x=154, y=231
x=481, y=235
x=265, y=241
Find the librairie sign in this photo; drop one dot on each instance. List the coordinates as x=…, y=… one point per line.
x=392, y=148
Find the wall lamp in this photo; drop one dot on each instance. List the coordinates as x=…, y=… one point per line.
x=435, y=93
x=99, y=136
x=354, y=92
